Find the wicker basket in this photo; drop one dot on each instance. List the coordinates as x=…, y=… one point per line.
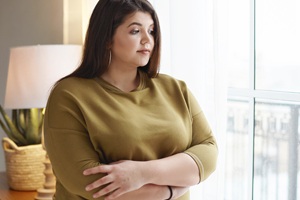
x=24, y=165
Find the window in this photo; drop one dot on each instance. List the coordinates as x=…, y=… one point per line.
x=263, y=134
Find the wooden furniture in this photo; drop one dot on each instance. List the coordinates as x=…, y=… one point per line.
x=8, y=194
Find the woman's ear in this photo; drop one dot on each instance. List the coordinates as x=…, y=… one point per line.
x=108, y=45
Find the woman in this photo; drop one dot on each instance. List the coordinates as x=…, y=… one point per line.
x=114, y=128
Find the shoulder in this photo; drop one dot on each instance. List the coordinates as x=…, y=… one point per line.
x=65, y=102
x=179, y=89
x=169, y=82
x=73, y=85
x=72, y=88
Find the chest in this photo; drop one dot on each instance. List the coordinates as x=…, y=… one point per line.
x=139, y=128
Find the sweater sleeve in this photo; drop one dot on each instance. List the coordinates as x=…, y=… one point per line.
x=204, y=148
x=68, y=145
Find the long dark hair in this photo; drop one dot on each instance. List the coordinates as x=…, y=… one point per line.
x=107, y=16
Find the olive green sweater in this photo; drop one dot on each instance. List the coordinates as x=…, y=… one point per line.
x=89, y=122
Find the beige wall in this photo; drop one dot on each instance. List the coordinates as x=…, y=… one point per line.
x=26, y=22
x=32, y=22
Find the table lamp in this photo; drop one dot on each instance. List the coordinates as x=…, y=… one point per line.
x=34, y=69
x=32, y=72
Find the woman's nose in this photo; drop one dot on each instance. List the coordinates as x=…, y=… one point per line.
x=146, y=38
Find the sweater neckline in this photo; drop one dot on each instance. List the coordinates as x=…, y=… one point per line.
x=113, y=88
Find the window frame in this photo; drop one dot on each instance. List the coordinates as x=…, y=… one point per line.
x=251, y=94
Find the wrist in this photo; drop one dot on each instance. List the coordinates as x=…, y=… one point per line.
x=157, y=192
x=170, y=192
x=148, y=172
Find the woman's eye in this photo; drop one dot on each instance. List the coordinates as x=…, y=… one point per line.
x=134, y=31
x=151, y=32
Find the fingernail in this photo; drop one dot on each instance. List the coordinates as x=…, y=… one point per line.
x=85, y=173
x=95, y=196
x=87, y=188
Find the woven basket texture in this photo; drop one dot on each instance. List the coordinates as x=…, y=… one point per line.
x=24, y=165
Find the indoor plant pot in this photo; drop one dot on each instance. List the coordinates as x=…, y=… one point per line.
x=24, y=154
x=24, y=165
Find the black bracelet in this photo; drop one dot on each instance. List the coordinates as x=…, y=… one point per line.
x=171, y=195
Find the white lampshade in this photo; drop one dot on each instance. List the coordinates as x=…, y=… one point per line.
x=34, y=69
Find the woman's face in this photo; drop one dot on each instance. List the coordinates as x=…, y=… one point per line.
x=133, y=41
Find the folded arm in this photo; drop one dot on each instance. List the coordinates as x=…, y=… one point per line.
x=71, y=152
x=150, y=192
x=196, y=163
x=180, y=170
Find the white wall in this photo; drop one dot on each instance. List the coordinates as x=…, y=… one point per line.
x=26, y=22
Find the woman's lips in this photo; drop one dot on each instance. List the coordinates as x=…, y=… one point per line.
x=144, y=51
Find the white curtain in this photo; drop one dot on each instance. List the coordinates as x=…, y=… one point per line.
x=194, y=49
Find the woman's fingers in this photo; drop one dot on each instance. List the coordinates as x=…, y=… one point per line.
x=102, y=181
x=108, y=189
x=122, y=177
x=115, y=194
x=98, y=169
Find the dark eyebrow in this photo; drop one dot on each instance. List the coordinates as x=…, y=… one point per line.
x=136, y=23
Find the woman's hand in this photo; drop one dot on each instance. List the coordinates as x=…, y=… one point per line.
x=179, y=191
x=122, y=177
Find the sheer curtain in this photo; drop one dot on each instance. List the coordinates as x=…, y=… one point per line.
x=194, y=49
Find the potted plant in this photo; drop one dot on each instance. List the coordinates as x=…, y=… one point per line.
x=24, y=154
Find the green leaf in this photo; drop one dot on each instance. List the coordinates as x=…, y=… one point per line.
x=22, y=120
x=15, y=119
x=7, y=132
x=14, y=116
x=32, y=133
x=13, y=130
x=27, y=113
